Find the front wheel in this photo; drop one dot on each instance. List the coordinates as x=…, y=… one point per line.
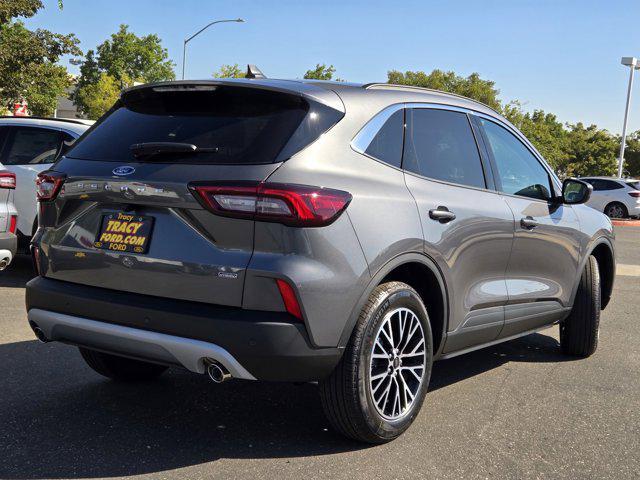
x=580, y=331
x=378, y=387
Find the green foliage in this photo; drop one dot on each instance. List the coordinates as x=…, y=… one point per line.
x=229, y=71
x=97, y=97
x=591, y=151
x=29, y=68
x=321, y=72
x=125, y=58
x=18, y=8
x=632, y=155
x=472, y=86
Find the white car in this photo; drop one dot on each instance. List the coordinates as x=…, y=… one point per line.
x=8, y=218
x=28, y=146
x=616, y=197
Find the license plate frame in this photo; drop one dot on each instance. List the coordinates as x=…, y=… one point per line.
x=127, y=233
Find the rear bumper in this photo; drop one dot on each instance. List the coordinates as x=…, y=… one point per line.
x=250, y=344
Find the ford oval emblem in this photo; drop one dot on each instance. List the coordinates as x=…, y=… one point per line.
x=124, y=170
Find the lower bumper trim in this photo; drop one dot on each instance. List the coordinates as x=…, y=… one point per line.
x=142, y=344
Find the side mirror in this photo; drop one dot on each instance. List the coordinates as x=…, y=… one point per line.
x=575, y=191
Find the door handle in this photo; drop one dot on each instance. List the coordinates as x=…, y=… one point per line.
x=442, y=214
x=528, y=223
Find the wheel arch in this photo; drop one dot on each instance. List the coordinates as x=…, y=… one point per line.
x=420, y=272
x=602, y=249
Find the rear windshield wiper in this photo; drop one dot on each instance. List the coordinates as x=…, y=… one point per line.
x=152, y=149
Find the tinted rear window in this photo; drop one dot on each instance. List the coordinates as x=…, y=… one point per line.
x=634, y=184
x=235, y=125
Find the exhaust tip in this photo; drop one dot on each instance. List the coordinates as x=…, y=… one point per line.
x=4, y=263
x=39, y=333
x=217, y=373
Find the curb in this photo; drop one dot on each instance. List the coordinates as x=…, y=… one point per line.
x=626, y=223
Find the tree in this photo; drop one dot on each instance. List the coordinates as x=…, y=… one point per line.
x=632, y=154
x=321, y=72
x=472, y=86
x=125, y=58
x=590, y=151
x=99, y=96
x=229, y=71
x=29, y=66
x=544, y=130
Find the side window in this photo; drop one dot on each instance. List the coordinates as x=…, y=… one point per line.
x=440, y=145
x=519, y=170
x=33, y=145
x=610, y=185
x=387, y=144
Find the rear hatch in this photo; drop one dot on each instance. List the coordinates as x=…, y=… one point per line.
x=125, y=218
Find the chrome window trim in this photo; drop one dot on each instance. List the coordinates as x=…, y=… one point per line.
x=367, y=133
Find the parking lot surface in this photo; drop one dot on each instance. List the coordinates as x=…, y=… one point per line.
x=517, y=410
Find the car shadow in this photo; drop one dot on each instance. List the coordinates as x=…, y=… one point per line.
x=61, y=420
x=18, y=273
x=58, y=419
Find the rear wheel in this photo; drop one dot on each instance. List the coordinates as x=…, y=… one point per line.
x=616, y=210
x=121, y=368
x=377, y=389
x=579, y=332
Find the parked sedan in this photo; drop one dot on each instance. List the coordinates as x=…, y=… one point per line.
x=28, y=146
x=616, y=197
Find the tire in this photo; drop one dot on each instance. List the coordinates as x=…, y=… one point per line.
x=579, y=332
x=616, y=210
x=351, y=401
x=120, y=368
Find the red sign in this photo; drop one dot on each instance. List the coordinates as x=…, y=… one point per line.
x=20, y=109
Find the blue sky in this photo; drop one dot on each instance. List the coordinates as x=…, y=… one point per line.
x=562, y=56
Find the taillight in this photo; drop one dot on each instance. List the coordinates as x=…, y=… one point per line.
x=635, y=194
x=48, y=185
x=294, y=205
x=289, y=299
x=13, y=223
x=7, y=180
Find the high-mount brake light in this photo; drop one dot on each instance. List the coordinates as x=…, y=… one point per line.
x=293, y=205
x=7, y=180
x=48, y=185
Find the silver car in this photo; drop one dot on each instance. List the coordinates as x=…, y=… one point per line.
x=311, y=231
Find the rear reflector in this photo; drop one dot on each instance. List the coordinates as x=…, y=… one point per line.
x=635, y=194
x=48, y=185
x=35, y=258
x=289, y=299
x=7, y=180
x=293, y=205
x=13, y=222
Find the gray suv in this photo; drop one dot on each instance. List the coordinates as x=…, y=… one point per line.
x=311, y=231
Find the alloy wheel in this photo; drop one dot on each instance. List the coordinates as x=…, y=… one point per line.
x=397, y=366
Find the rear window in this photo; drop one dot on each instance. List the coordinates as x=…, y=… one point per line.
x=229, y=125
x=635, y=184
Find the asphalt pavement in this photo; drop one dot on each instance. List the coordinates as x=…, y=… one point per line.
x=518, y=410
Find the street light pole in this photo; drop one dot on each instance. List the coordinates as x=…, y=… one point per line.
x=184, y=46
x=632, y=63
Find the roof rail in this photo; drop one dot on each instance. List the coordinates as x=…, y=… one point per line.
x=78, y=121
x=380, y=85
